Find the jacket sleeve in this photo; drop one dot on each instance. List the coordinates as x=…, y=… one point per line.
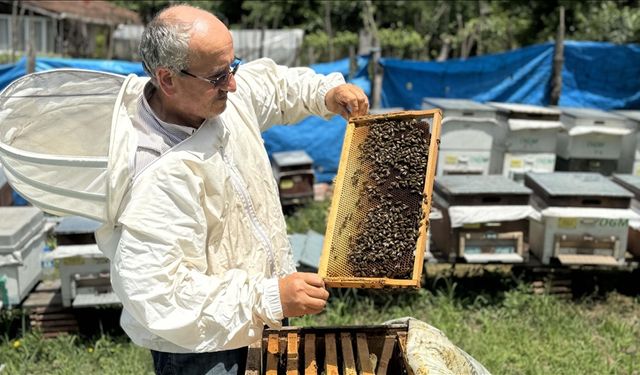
x=282, y=95
x=159, y=272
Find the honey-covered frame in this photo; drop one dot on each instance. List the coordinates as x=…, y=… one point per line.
x=334, y=252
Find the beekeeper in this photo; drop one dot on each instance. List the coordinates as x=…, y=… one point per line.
x=200, y=256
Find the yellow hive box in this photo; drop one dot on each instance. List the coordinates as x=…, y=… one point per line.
x=377, y=228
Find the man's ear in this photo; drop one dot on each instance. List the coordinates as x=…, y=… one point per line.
x=166, y=81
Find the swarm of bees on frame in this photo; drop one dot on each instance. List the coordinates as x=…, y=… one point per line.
x=395, y=154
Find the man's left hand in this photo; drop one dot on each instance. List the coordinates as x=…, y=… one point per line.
x=347, y=100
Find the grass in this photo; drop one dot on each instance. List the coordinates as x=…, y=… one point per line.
x=490, y=314
x=31, y=354
x=311, y=217
x=514, y=332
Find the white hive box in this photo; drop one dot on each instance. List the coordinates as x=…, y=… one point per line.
x=21, y=244
x=530, y=143
x=633, y=121
x=584, y=218
x=484, y=219
x=595, y=141
x=471, y=139
x=632, y=183
x=84, y=276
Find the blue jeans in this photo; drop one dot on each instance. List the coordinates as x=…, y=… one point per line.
x=227, y=362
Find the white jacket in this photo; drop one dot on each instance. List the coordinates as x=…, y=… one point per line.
x=197, y=239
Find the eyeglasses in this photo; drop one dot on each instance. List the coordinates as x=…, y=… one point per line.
x=223, y=78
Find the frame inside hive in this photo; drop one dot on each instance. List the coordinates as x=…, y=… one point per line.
x=351, y=200
x=366, y=350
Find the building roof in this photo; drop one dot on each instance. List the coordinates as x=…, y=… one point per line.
x=89, y=11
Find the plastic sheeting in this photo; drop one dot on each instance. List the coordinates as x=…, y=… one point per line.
x=430, y=352
x=522, y=124
x=600, y=75
x=582, y=130
x=595, y=74
x=520, y=76
x=11, y=72
x=589, y=212
x=461, y=215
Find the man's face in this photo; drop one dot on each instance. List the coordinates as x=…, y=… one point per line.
x=197, y=97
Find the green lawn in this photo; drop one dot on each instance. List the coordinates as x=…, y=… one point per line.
x=513, y=333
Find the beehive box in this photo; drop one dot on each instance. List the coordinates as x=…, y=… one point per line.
x=584, y=218
x=21, y=241
x=379, y=215
x=352, y=350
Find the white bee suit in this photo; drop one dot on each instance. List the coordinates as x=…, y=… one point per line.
x=197, y=239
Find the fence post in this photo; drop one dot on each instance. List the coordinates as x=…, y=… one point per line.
x=558, y=62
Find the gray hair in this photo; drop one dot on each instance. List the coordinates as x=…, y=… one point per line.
x=165, y=43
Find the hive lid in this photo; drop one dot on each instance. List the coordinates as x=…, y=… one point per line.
x=590, y=113
x=473, y=184
x=18, y=225
x=629, y=182
x=630, y=114
x=291, y=158
x=76, y=225
x=577, y=184
x=515, y=108
x=456, y=104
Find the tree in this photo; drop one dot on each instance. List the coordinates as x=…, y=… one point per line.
x=420, y=29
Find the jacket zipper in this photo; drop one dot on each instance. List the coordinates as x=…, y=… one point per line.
x=236, y=181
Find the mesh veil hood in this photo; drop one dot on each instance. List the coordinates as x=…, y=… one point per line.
x=67, y=142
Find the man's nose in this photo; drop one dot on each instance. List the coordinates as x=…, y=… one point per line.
x=231, y=84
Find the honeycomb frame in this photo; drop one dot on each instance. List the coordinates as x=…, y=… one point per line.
x=346, y=216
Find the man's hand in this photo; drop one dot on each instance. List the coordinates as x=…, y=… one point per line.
x=347, y=100
x=302, y=293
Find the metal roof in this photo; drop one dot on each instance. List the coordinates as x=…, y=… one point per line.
x=578, y=184
x=474, y=184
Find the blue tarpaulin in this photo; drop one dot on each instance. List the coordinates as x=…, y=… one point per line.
x=601, y=75
x=595, y=75
x=10, y=72
x=321, y=139
x=520, y=76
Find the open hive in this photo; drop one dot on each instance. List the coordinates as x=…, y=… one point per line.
x=377, y=227
x=366, y=350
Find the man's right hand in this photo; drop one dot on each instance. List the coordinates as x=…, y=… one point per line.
x=302, y=293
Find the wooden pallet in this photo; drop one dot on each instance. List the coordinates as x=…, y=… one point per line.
x=556, y=282
x=46, y=313
x=372, y=350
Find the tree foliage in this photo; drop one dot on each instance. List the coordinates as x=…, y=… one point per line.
x=425, y=29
